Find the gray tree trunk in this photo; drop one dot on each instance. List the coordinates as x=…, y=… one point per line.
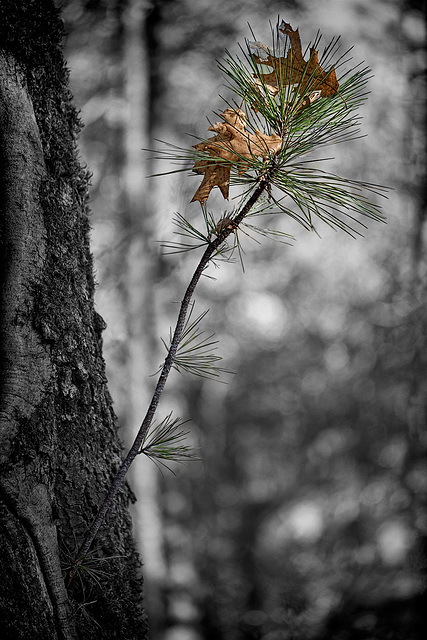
x=58, y=433
x=141, y=264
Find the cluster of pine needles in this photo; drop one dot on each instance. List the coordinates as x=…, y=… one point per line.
x=299, y=187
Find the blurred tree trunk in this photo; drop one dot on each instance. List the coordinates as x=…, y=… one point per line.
x=139, y=277
x=58, y=433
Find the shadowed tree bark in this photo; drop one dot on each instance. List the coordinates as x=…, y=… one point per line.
x=58, y=433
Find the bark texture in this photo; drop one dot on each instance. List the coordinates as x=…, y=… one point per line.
x=58, y=433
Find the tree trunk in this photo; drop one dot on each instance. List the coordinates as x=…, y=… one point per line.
x=141, y=264
x=58, y=434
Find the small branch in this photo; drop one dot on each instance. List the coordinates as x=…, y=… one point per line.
x=135, y=449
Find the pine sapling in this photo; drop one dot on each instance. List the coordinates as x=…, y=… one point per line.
x=287, y=104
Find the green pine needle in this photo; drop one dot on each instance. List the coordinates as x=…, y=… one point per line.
x=164, y=442
x=327, y=121
x=195, y=353
x=307, y=122
x=187, y=230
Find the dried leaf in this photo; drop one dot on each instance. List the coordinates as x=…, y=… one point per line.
x=231, y=146
x=293, y=69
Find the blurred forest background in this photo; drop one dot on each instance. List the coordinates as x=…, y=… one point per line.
x=306, y=517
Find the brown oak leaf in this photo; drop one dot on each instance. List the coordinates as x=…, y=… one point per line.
x=293, y=69
x=231, y=146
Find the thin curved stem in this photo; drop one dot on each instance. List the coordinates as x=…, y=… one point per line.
x=167, y=366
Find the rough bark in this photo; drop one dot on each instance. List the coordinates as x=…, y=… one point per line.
x=58, y=433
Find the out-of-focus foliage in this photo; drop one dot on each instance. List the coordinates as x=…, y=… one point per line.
x=307, y=518
x=319, y=479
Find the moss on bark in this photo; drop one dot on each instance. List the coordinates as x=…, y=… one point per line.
x=64, y=446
